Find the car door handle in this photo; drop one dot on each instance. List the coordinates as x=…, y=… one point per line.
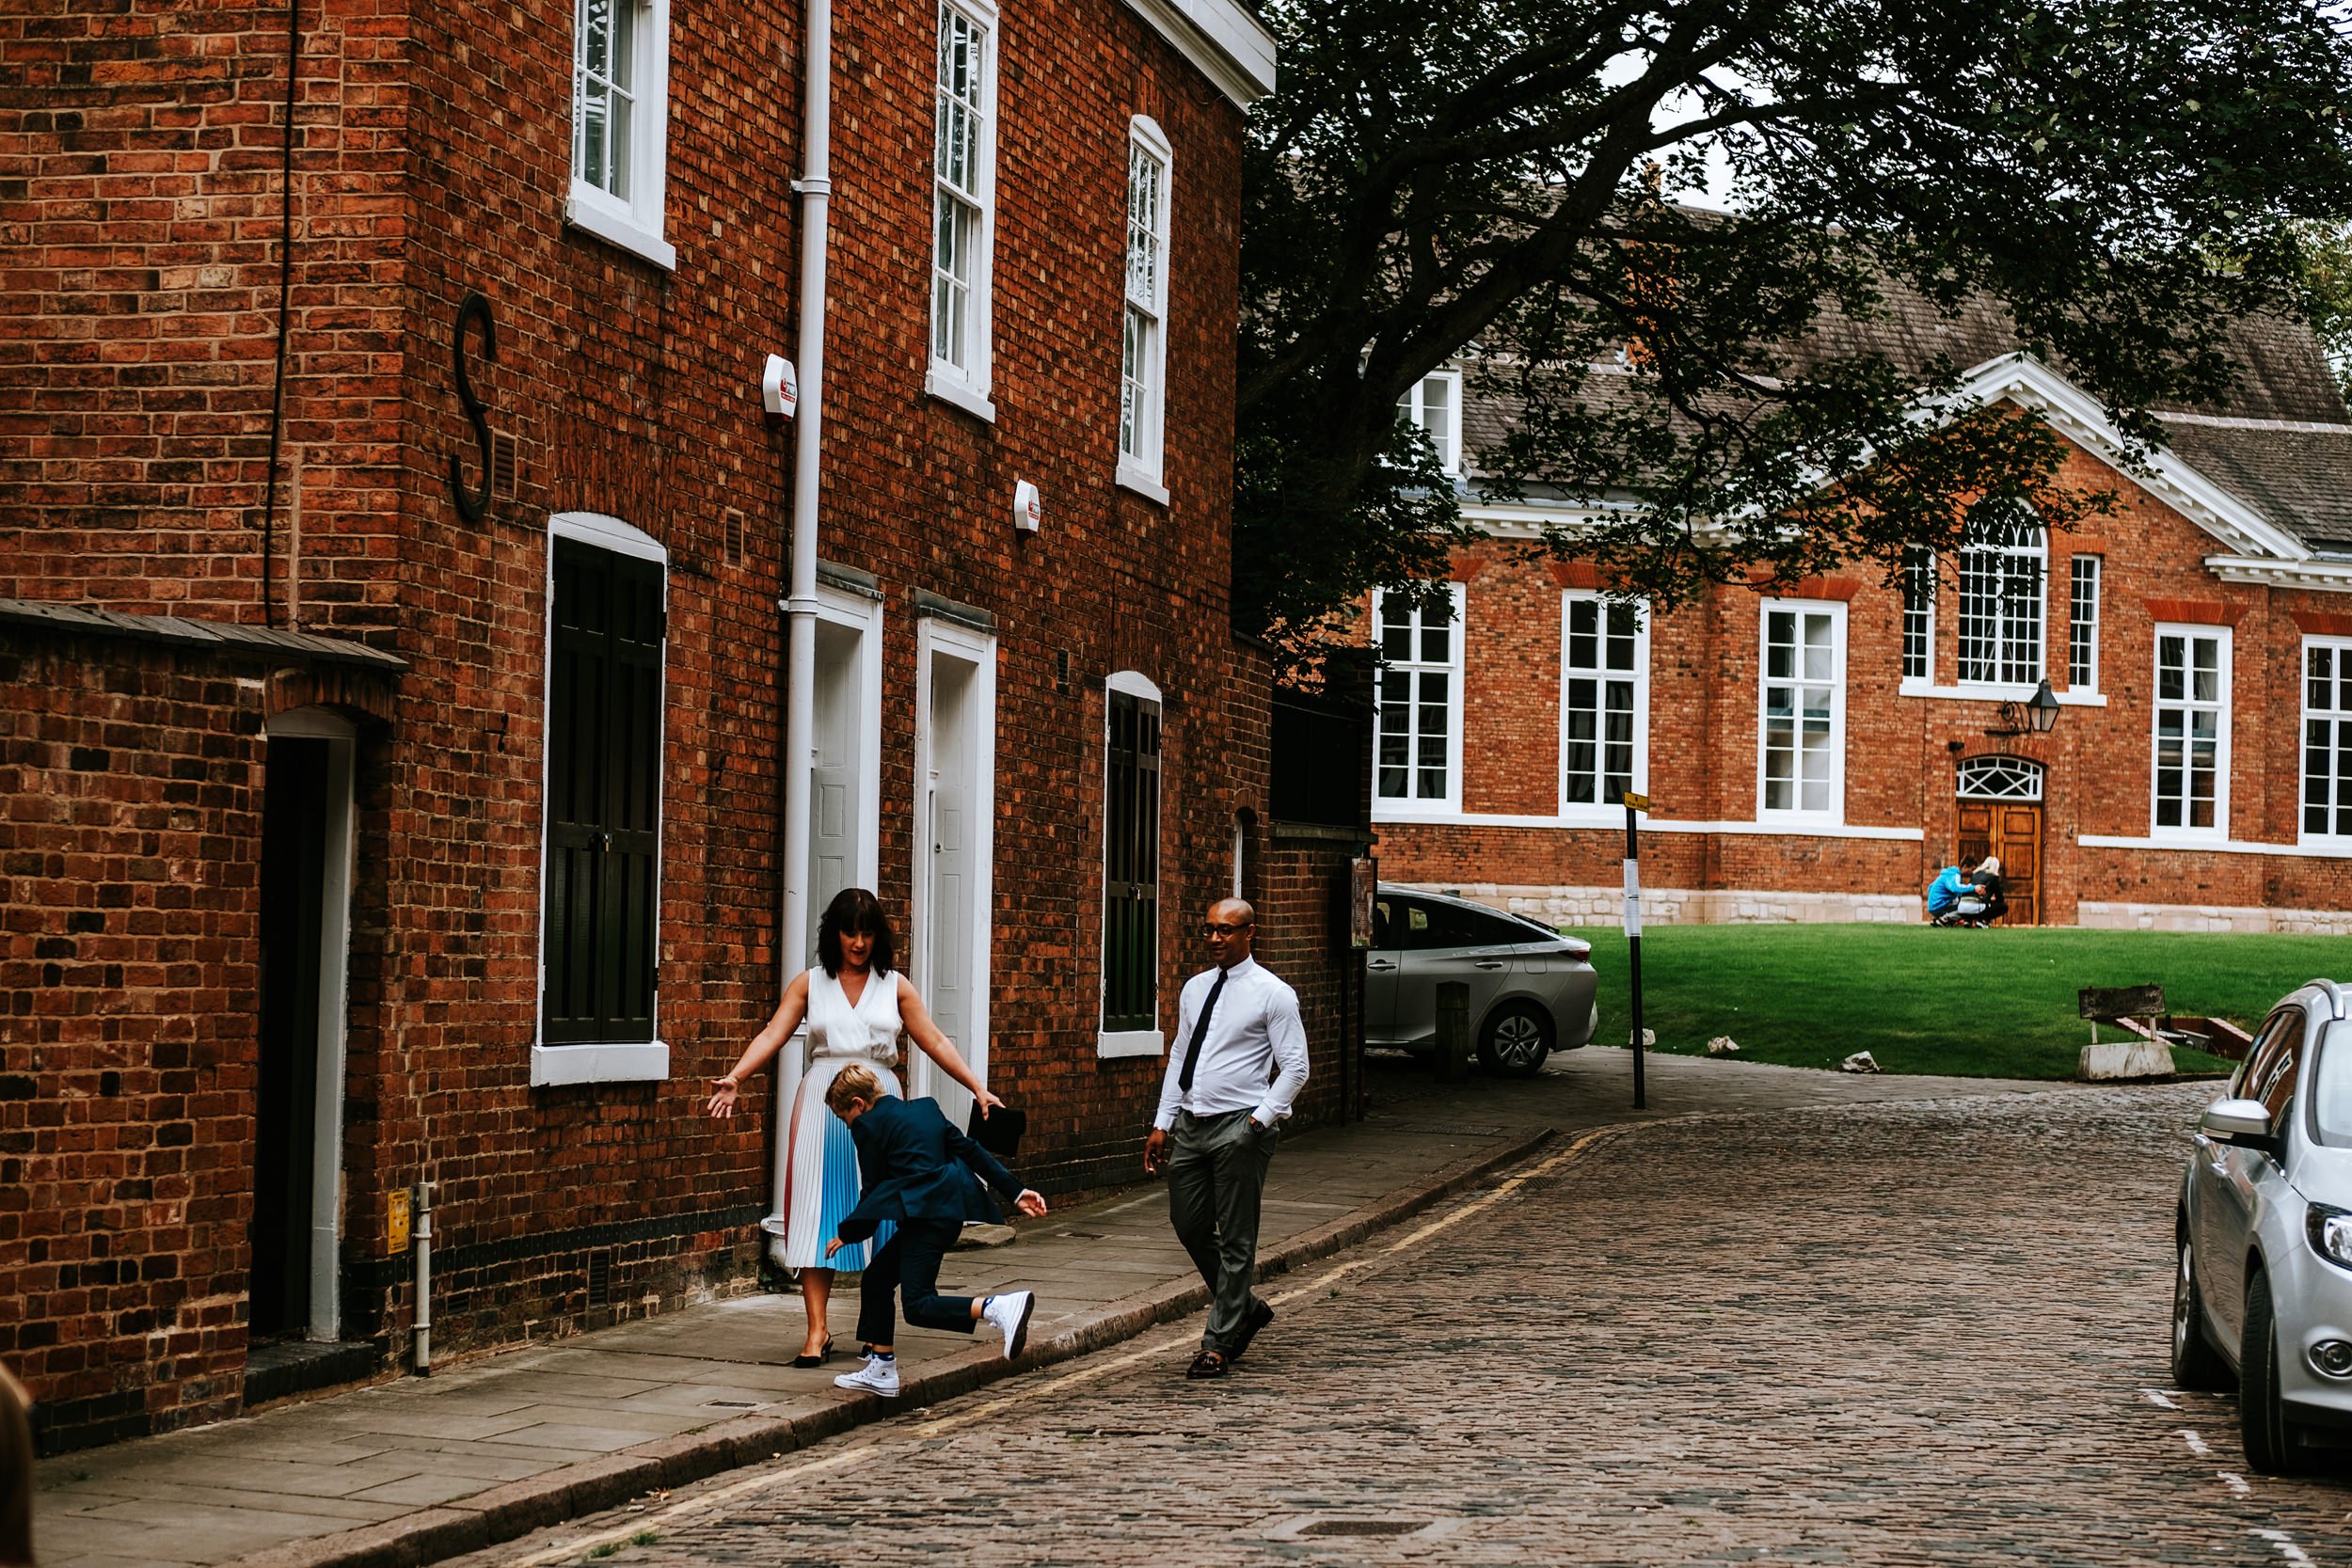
x=1381, y=964
x=1489, y=963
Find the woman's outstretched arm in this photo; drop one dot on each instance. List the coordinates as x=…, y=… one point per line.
x=938, y=1047
x=764, y=1044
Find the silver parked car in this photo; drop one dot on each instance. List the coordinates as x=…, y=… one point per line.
x=1531, y=989
x=2264, y=1282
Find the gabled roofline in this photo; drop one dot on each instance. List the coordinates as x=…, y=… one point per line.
x=2018, y=377
x=2022, y=380
x=1223, y=37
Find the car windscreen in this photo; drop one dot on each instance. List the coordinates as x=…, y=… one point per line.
x=2331, y=1087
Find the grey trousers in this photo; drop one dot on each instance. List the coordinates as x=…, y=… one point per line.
x=1217, y=1169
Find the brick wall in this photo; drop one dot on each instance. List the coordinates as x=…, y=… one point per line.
x=129, y=812
x=141, y=188
x=1902, y=753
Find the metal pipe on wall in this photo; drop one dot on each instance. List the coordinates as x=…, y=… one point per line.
x=424, y=1279
x=815, y=191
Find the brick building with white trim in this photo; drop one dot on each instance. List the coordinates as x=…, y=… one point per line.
x=1817, y=754
x=397, y=567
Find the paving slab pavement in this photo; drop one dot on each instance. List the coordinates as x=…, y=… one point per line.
x=415, y=1470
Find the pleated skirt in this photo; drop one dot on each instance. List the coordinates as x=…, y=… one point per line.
x=821, y=1183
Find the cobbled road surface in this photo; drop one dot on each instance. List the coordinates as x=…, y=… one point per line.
x=1911, y=1333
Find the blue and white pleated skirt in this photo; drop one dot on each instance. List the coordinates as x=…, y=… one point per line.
x=821, y=1181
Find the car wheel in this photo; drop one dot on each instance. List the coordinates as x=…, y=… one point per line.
x=2195, y=1364
x=1516, y=1041
x=2270, y=1441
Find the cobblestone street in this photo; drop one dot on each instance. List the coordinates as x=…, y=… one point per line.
x=1923, y=1332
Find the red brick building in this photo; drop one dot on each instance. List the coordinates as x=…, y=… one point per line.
x=395, y=560
x=1819, y=754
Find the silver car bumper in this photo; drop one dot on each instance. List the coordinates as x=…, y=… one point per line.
x=2312, y=1301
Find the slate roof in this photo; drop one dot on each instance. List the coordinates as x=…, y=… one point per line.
x=297, y=647
x=2281, y=441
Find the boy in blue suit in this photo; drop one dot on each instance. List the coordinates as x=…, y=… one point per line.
x=907, y=1156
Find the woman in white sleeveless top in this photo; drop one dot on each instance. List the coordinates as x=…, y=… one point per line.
x=856, y=1004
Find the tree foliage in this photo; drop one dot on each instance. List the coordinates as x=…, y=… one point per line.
x=2116, y=179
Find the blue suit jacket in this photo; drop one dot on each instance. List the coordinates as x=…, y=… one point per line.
x=907, y=1160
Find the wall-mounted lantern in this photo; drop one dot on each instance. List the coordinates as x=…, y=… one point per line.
x=2034, y=716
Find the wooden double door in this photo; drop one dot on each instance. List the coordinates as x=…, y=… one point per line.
x=2012, y=830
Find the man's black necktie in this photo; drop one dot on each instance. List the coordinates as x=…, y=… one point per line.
x=1200, y=1033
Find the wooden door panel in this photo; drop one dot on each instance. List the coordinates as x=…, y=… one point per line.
x=2012, y=831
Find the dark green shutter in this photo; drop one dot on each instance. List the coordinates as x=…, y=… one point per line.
x=604, y=795
x=1131, y=865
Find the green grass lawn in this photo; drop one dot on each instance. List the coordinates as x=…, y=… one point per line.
x=1996, y=1004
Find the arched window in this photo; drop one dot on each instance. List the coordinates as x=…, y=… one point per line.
x=2001, y=615
x=2000, y=778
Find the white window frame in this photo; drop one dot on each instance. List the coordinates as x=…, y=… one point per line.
x=2219, y=830
x=1143, y=320
x=1131, y=1042
x=2341, y=650
x=1836, y=609
x=1602, y=810
x=1921, y=578
x=635, y=223
x=628, y=1062
x=1392, y=809
x=967, y=385
x=2081, y=626
x=2004, y=610
x=1413, y=408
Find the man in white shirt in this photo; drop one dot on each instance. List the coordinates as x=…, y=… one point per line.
x=1237, y=1063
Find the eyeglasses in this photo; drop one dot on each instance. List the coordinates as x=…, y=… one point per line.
x=1209, y=928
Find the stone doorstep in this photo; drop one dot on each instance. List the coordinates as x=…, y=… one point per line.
x=517, y=1508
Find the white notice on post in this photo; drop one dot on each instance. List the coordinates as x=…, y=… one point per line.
x=1633, y=898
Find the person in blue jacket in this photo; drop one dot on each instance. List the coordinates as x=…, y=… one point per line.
x=911, y=1164
x=1943, y=893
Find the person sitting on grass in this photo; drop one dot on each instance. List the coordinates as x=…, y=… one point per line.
x=1987, y=893
x=1945, y=892
x=907, y=1156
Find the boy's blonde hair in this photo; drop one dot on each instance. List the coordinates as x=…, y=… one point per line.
x=854, y=1082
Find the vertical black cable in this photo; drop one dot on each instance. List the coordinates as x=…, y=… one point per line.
x=285, y=293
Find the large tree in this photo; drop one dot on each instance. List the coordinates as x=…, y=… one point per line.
x=2114, y=181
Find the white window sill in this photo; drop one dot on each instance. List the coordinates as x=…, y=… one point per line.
x=962, y=394
x=646, y=1062
x=2308, y=848
x=1129, y=1042
x=1413, y=811
x=1131, y=477
x=626, y=233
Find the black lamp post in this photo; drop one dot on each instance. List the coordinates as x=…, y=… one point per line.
x=2034, y=716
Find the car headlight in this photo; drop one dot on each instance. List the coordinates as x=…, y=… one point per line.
x=2330, y=1232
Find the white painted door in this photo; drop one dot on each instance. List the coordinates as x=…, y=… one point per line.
x=833, y=796
x=948, y=943
x=947, y=910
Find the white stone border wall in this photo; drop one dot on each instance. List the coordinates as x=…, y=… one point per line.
x=1605, y=906
x=2212, y=917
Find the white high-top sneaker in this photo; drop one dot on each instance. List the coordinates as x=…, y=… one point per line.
x=1011, y=1313
x=879, y=1375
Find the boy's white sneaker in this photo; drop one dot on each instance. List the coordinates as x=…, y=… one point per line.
x=878, y=1376
x=1011, y=1313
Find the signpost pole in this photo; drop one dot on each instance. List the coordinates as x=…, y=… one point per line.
x=1634, y=805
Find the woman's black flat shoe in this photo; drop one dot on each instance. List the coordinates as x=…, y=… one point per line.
x=818, y=1359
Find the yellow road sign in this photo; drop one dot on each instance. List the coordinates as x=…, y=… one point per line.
x=1639, y=802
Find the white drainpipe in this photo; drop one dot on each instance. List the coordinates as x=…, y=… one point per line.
x=815, y=188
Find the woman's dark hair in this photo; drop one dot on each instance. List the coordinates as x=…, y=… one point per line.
x=855, y=913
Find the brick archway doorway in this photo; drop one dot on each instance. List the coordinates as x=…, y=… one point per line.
x=2001, y=815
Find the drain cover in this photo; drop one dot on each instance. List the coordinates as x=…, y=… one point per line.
x=1363, y=1526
